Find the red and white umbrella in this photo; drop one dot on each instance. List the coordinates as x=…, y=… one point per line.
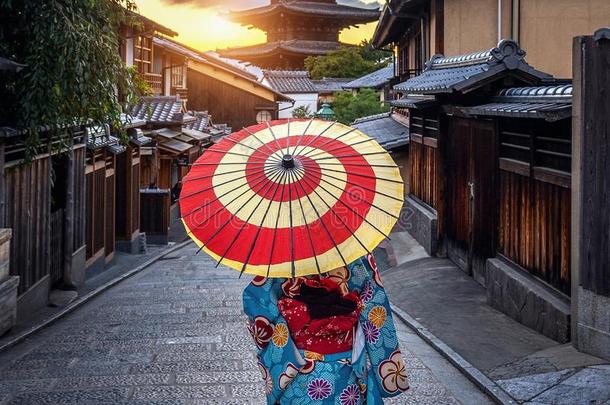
x=291, y=198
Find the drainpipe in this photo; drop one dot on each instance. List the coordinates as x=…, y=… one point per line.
x=516, y=20
x=499, y=20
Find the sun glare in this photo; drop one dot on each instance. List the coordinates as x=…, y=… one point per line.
x=207, y=29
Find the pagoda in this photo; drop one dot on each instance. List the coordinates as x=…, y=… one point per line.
x=295, y=30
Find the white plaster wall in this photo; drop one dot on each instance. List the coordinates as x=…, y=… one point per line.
x=309, y=100
x=129, y=52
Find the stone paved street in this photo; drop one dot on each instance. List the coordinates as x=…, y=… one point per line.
x=175, y=334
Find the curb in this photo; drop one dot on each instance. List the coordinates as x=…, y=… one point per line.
x=488, y=386
x=87, y=297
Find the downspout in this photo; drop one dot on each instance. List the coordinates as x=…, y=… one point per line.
x=499, y=21
x=516, y=20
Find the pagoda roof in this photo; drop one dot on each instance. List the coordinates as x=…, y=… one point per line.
x=296, y=46
x=347, y=14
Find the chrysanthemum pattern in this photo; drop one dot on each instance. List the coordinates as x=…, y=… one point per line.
x=377, y=316
x=280, y=335
x=371, y=333
x=319, y=389
x=350, y=395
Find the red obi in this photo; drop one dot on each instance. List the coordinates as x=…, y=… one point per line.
x=320, y=317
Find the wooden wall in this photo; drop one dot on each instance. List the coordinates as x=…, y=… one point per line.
x=226, y=103
x=28, y=210
x=535, y=198
x=535, y=227
x=128, y=194
x=425, y=181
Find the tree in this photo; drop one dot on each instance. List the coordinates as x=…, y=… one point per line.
x=349, y=107
x=348, y=61
x=73, y=68
x=301, y=112
x=344, y=62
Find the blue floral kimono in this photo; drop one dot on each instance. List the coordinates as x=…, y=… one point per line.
x=373, y=369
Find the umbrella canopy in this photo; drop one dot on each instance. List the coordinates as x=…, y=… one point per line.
x=291, y=198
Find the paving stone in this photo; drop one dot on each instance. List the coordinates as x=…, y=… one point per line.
x=248, y=391
x=173, y=334
x=526, y=388
x=182, y=367
x=71, y=397
x=113, y=381
x=202, y=391
x=226, y=377
x=572, y=395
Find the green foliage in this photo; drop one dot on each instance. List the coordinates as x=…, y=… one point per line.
x=349, y=107
x=74, y=72
x=301, y=112
x=348, y=61
x=381, y=56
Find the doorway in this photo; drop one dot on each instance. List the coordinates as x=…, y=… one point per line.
x=471, y=194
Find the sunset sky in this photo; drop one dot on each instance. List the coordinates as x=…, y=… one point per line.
x=201, y=25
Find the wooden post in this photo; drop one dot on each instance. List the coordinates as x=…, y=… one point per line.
x=591, y=195
x=69, y=219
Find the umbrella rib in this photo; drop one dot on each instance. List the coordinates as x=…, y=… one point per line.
x=228, y=152
x=351, y=155
x=315, y=138
x=258, y=172
x=302, y=136
x=330, y=140
x=360, y=198
x=313, y=250
x=247, y=146
x=260, y=226
x=277, y=221
x=182, y=198
x=364, y=175
x=345, y=145
x=291, y=222
x=259, y=180
x=247, y=221
x=233, y=215
x=358, y=185
x=337, y=215
x=357, y=213
x=262, y=143
x=357, y=165
x=277, y=142
x=323, y=224
x=207, y=176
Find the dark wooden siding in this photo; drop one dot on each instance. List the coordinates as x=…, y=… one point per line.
x=28, y=205
x=79, y=198
x=155, y=212
x=127, y=216
x=535, y=198
x=535, y=227
x=424, y=171
x=226, y=103
x=592, y=109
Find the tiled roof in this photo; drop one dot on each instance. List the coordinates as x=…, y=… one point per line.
x=551, y=103
x=289, y=81
x=127, y=121
x=201, y=122
x=296, y=46
x=414, y=101
x=174, y=146
x=310, y=8
x=159, y=110
x=460, y=73
x=330, y=84
x=137, y=137
x=386, y=130
x=99, y=137
x=374, y=80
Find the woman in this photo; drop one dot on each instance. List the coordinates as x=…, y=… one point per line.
x=326, y=339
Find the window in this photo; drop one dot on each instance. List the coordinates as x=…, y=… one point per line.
x=263, y=116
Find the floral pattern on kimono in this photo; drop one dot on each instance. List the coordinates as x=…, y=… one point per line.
x=372, y=370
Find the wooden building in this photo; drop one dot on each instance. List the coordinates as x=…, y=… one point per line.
x=490, y=163
x=295, y=30
x=43, y=202
x=422, y=28
x=229, y=93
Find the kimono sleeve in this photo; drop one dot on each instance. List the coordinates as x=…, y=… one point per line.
x=279, y=359
x=387, y=376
